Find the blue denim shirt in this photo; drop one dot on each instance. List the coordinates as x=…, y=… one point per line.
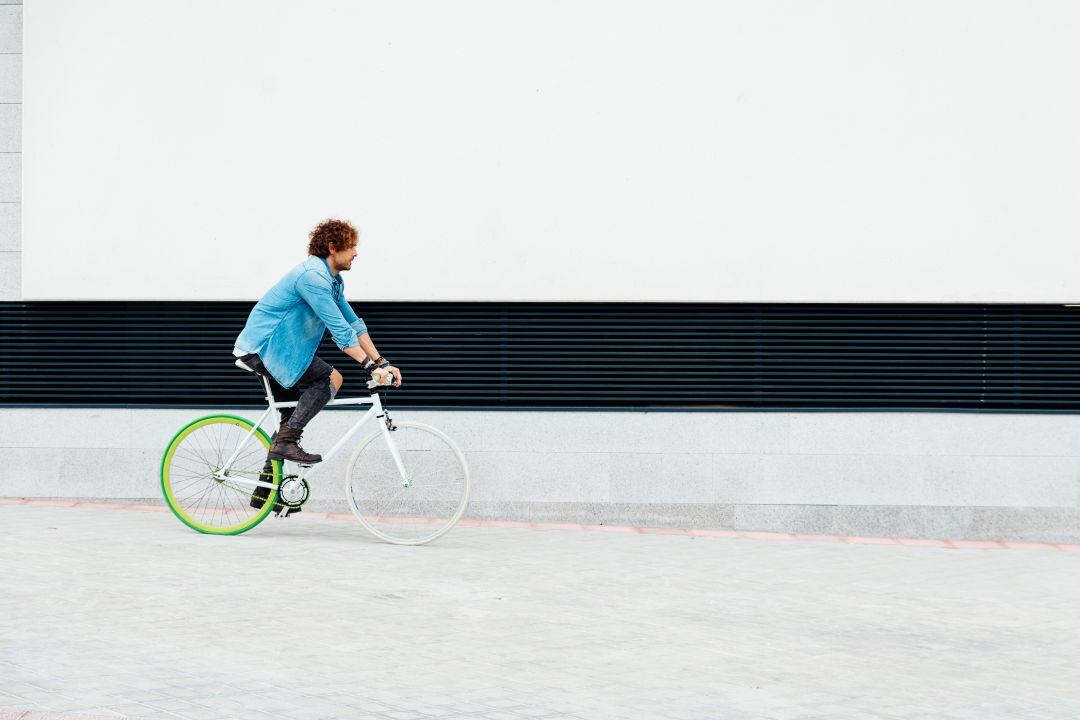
x=287, y=325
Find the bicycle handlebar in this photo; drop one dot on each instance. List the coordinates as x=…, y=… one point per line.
x=388, y=382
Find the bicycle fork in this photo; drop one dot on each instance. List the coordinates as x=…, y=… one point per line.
x=387, y=427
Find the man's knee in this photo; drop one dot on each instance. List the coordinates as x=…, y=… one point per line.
x=336, y=379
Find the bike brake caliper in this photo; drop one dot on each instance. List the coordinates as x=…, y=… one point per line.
x=389, y=423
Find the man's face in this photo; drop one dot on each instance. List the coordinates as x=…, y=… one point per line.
x=343, y=259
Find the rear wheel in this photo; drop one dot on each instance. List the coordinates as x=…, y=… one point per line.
x=196, y=453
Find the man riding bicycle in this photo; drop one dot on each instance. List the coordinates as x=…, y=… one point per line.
x=283, y=332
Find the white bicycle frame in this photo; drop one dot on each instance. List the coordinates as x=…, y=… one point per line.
x=306, y=471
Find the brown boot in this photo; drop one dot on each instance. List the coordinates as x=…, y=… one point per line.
x=286, y=446
x=258, y=497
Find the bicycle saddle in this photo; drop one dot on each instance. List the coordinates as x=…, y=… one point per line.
x=253, y=364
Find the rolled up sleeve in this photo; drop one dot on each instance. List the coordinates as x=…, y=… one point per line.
x=347, y=312
x=317, y=292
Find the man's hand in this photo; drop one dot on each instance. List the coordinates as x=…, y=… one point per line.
x=379, y=375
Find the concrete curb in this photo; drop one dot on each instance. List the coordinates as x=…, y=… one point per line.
x=35, y=715
x=686, y=532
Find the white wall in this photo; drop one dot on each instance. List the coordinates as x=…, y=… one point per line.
x=744, y=150
x=926, y=474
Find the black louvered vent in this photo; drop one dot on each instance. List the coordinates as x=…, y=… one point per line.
x=562, y=356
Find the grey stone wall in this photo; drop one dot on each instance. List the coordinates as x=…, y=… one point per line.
x=935, y=475
x=11, y=151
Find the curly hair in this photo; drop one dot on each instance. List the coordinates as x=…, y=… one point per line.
x=338, y=233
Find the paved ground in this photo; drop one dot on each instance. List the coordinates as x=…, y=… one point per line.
x=128, y=613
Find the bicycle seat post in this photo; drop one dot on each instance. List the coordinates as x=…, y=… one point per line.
x=270, y=400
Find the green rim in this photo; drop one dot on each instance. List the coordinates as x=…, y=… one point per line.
x=166, y=485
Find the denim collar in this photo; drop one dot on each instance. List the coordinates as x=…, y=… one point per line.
x=329, y=271
x=337, y=282
x=336, y=279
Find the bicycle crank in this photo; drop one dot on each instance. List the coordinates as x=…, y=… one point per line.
x=293, y=491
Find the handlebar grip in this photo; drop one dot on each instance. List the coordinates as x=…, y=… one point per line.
x=388, y=382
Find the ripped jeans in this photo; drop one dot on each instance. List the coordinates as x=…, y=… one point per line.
x=312, y=391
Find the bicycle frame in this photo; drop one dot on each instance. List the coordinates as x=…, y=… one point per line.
x=307, y=471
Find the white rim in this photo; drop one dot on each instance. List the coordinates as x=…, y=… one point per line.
x=390, y=538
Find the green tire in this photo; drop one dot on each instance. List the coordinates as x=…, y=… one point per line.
x=194, y=496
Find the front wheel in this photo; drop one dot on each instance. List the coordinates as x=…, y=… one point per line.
x=423, y=505
x=199, y=451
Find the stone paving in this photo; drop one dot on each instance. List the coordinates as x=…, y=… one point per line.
x=124, y=613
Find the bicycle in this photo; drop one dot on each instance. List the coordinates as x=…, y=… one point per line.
x=409, y=490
